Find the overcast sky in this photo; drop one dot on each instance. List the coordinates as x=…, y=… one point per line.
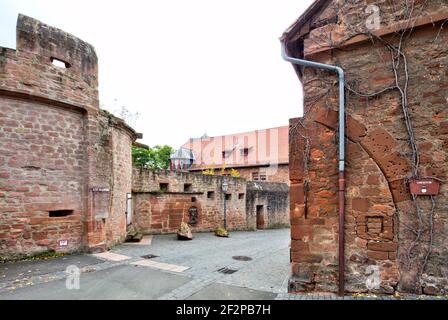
x=187, y=67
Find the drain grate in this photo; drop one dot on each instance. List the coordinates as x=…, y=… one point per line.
x=149, y=256
x=227, y=270
x=242, y=258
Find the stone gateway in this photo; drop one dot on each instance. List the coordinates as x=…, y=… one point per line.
x=395, y=141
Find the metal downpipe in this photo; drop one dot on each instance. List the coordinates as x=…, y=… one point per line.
x=341, y=182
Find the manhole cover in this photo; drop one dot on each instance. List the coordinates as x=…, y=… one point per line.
x=227, y=270
x=149, y=256
x=242, y=258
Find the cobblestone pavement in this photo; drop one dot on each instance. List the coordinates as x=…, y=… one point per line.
x=263, y=276
x=268, y=269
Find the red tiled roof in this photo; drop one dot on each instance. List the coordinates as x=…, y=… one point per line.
x=264, y=147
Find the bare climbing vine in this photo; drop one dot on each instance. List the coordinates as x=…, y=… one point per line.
x=416, y=254
x=299, y=129
x=400, y=70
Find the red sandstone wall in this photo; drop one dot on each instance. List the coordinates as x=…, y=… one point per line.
x=29, y=70
x=121, y=185
x=57, y=151
x=42, y=160
x=379, y=209
x=156, y=211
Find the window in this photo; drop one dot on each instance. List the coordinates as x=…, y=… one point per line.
x=211, y=195
x=193, y=199
x=60, y=213
x=187, y=187
x=262, y=176
x=255, y=176
x=163, y=186
x=245, y=152
x=241, y=196
x=226, y=153
x=228, y=196
x=59, y=63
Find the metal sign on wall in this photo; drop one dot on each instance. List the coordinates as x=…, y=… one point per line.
x=425, y=187
x=101, y=202
x=63, y=243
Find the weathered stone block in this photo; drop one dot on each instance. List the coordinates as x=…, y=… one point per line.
x=360, y=204
x=382, y=246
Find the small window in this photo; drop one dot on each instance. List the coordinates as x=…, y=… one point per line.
x=228, y=196
x=241, y=196
x=59, y=63
x=245, y=152
x=262, y=177
x=226, y=153
x=60, y=213
x=193, y=199
x=163, y=186
x=211, y=195
x=188, y=187
x=255, y=176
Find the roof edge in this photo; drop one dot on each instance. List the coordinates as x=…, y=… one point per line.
x=311, y=11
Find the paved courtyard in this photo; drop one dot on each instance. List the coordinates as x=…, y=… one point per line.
x=161, y=267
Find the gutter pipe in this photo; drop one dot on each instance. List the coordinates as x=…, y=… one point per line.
x=340, y=72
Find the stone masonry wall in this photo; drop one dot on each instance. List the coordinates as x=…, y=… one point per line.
x=162, y=211
x=380, y=213
x=273, y=202
x=121, y=185
x=42, y=168
x=60, y=157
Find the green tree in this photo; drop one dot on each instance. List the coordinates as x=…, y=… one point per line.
x=157, y=157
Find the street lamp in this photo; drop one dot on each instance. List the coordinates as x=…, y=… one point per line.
x=225, y=188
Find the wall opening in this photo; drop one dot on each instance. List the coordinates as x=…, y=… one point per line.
x=60, y=213
x=260, y=217
x=128, y=208
x=188, y=187
x=193, y=215
x=241, y=196
x=211, y=195
x=60, y=63
x=193, y=199
x=228, y=196
x=163, y=186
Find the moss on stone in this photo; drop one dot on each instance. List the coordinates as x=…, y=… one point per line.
x=221, y=232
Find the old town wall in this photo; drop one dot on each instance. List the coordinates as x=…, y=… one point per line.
x=162, y=200
x=267, y=205
x=60, y=156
